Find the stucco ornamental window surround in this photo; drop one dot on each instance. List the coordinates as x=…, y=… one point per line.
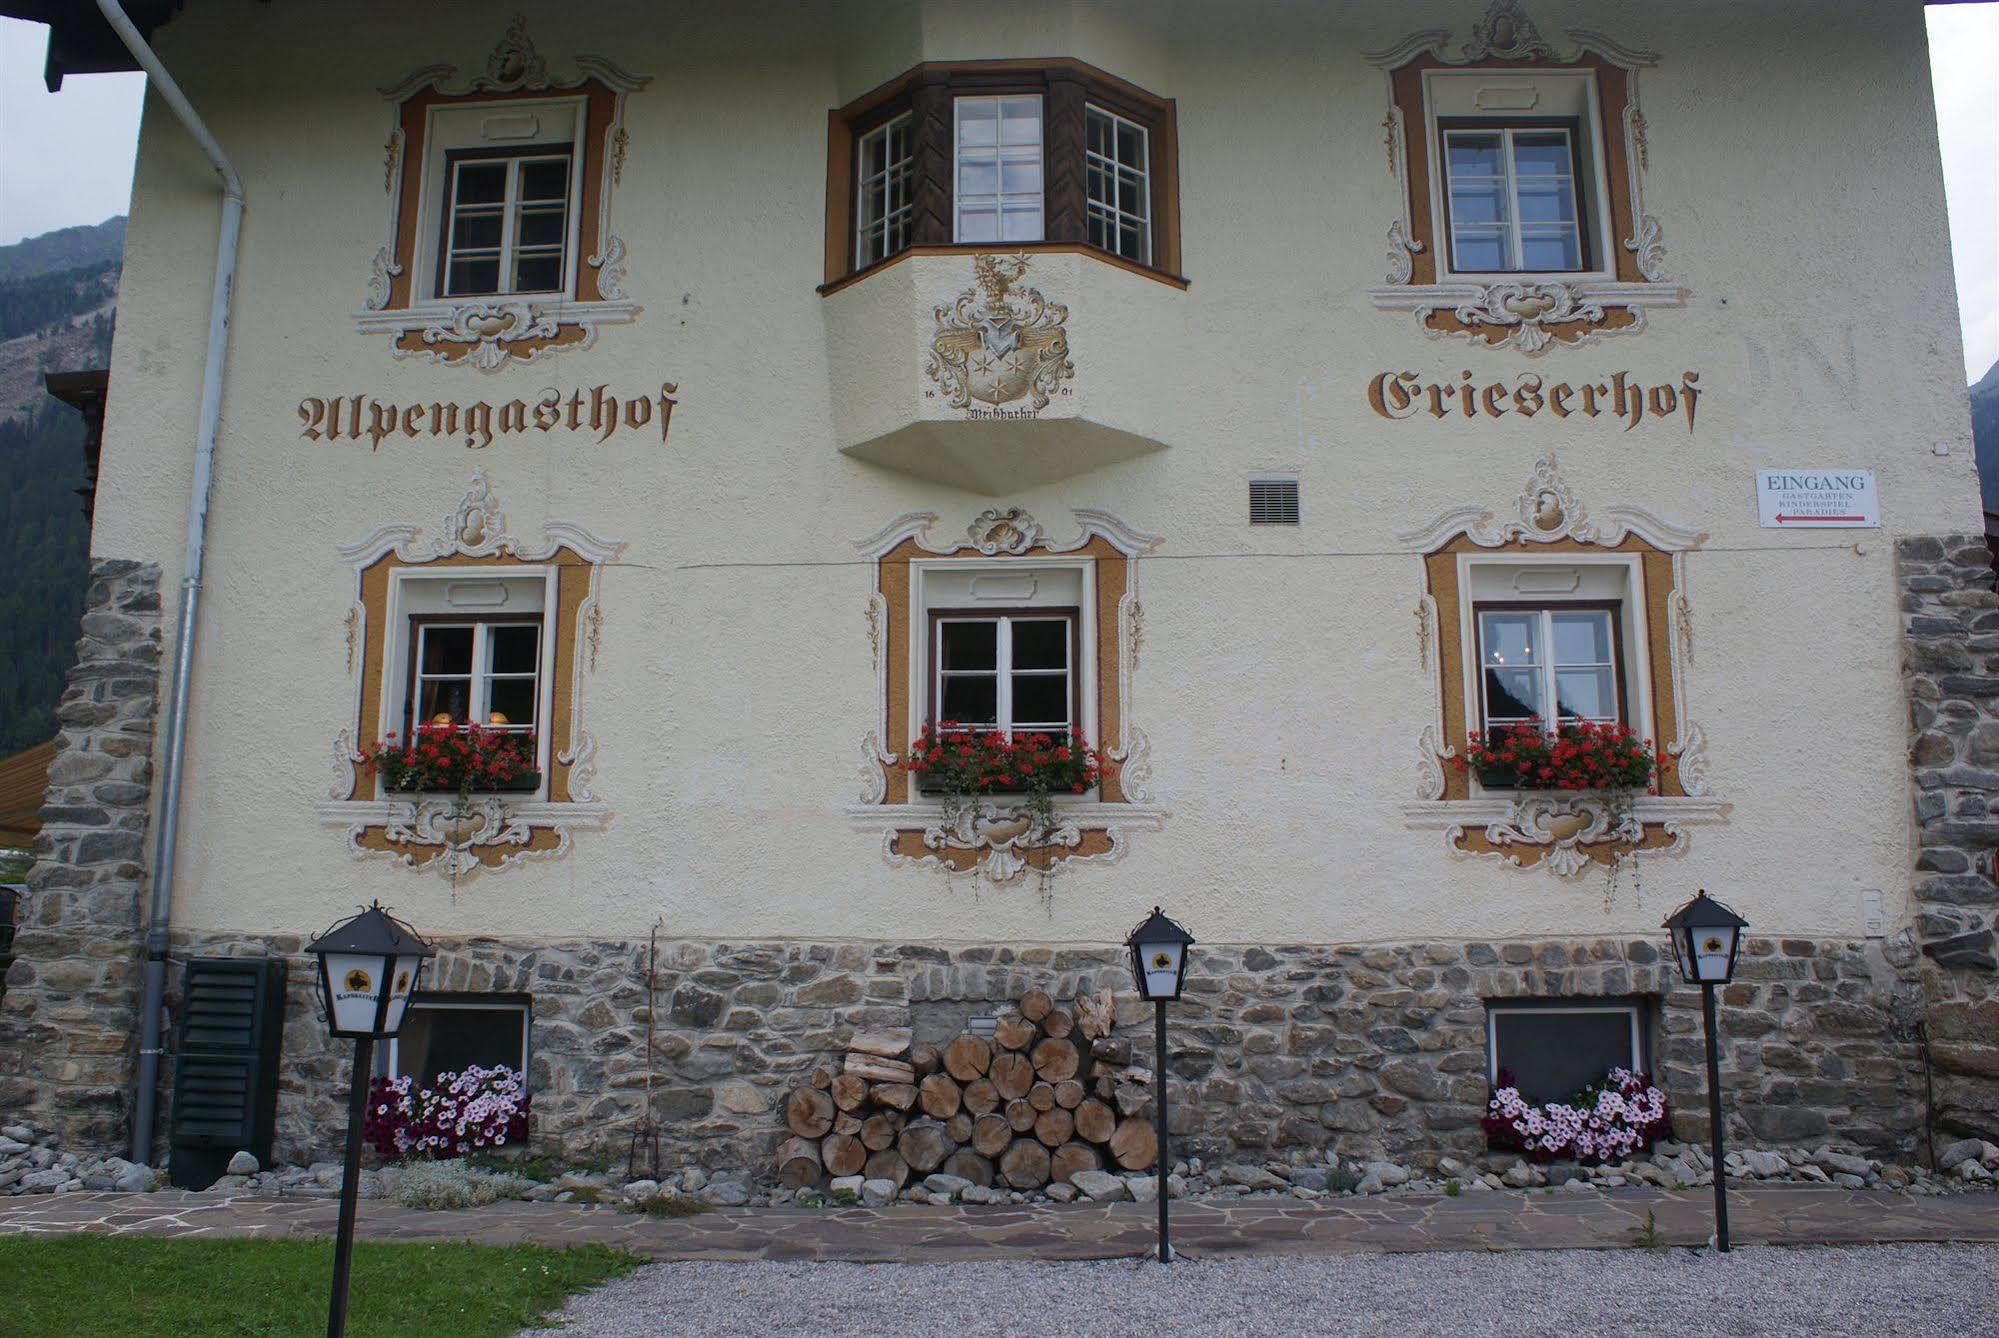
x=500, y=245
x=1520, y=163
x=1010, y=629
x=461, y=626
x=1557, y=606
x=1002, y=154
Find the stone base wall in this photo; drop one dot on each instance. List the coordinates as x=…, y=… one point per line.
x=1284, y=1053
x=1950, y=635
x=69, y=1017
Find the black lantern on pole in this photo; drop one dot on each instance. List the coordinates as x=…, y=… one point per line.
x=1706, y=937
x=1159, y=969
x=369, y=967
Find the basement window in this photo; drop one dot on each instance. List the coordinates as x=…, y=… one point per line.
x=448, y=1033
x=1553, y=1048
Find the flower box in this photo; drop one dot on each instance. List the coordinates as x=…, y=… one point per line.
x=1579, y=755
x=962, y=766
x=446, y=759
x=1613, y=1119
x=470, y=1109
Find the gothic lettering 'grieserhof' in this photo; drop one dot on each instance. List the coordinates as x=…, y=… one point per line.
x=364, y=418
x=1406, y=395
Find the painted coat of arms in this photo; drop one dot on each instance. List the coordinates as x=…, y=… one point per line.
x=1000, y=341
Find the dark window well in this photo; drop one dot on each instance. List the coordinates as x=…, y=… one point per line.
x=448, y=1033
x=1554, y=1048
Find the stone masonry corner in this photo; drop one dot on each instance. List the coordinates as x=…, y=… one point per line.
x=69, y=1019
x=1950, y=638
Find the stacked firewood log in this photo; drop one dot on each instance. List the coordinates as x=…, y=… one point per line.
x=1052, y=1093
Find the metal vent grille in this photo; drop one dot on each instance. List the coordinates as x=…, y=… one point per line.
x=1273, y=501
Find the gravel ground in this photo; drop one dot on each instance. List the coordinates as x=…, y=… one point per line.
x=1906, y=1290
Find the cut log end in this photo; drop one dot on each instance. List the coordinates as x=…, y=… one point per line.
x=798, y=1163
x=968, y=1057
x=1025, y=1164
x=1135, y=1146
x=1035, y=1005
x=940, y=1095
x=809, y=1112
x=843, y=1155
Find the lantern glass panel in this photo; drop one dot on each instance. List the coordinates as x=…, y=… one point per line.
x=1681, y=943
x=1161, y=961
x=354, y=982
x=404, y=975
x=1713, y=951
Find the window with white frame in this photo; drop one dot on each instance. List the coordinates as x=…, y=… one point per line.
x=500, y=199
x=470, y=646
x=448, y=1033
x=1010, y=672
x=1512, y=198
x=1550, y=664
x=474, y=672
x=884, y=164
x=1118, y=156
x=1552, y=1048
x=996, y=164
x=506, y=222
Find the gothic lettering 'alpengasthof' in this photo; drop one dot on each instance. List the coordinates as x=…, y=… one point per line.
x=1407, y=395
x=365, y=418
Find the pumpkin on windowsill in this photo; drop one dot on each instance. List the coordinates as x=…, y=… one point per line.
x=443, y=758
x=1581, y=755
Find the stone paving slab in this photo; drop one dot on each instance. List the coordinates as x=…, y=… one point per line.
x=911, y=1233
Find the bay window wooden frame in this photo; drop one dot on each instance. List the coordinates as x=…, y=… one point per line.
x=1067, y=87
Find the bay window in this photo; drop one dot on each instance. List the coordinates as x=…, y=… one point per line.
x=997, y=167
x=1003, y=153
x=884, y=163
x=1120, y=185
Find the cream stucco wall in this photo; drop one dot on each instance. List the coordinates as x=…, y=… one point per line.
x=1792, y=164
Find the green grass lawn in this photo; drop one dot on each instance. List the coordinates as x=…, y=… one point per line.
x=133, y=1286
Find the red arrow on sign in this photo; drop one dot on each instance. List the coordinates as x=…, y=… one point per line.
x=1823, y=519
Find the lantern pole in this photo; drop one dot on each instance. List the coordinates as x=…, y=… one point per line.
x=1714, y=1119
x=1159, y=1017
x=350, y=1178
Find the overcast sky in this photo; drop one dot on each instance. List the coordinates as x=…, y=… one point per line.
x=67, y=158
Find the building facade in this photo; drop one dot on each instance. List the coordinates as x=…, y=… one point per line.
x=1273, y=395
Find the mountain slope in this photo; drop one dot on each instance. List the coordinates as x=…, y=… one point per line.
x=65, y=248
x=58, y=296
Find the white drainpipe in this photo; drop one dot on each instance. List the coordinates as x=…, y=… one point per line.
x=167, y=832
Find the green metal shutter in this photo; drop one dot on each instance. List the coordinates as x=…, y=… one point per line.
x=225, y=1095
